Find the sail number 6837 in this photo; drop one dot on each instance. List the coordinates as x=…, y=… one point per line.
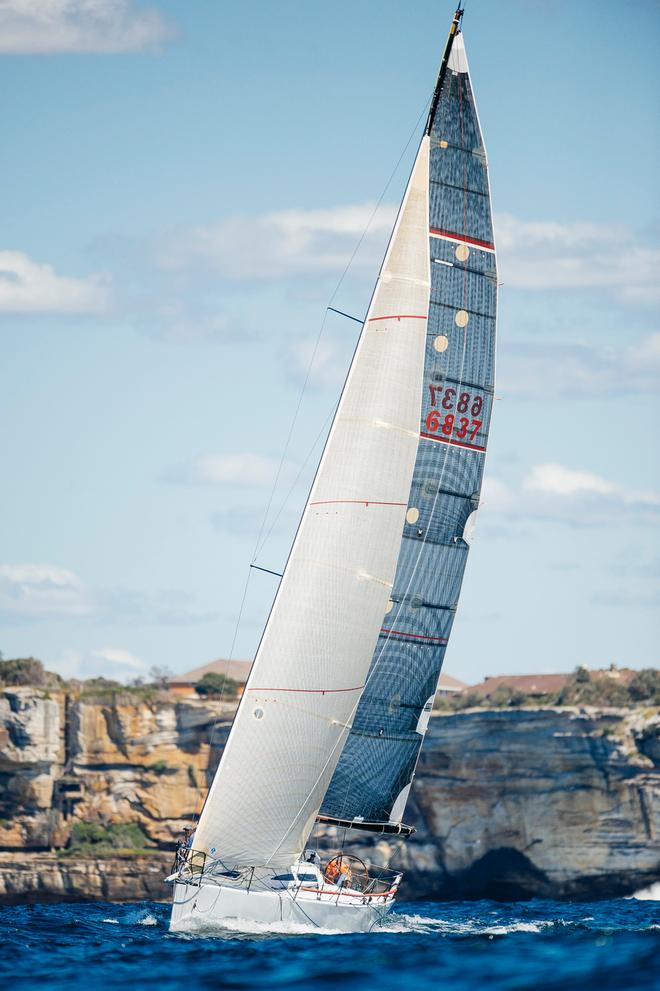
x=448, y=401
x=448, y=425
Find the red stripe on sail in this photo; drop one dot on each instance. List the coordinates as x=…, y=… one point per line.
x=415, y=636
x=462, y=237
x=359, y=502
x=400, y=316
x=308, y=691
x=454, y=443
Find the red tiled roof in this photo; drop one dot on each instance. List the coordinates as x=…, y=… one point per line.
x=530, y=684
x=545, y=684
x=237, y=670
x=449, y=684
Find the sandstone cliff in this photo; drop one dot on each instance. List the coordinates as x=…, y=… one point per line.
x=507, y=803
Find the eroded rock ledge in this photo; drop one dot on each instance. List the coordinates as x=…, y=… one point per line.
x=507, y=803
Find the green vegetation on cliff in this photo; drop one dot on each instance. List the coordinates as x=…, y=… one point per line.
x=217, y=684
x=582, y=688
x=94, y=839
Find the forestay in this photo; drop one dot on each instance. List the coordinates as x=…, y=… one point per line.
x=373, y=777
x=312, y=663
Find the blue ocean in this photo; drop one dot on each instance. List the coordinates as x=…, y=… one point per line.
x=459, y=946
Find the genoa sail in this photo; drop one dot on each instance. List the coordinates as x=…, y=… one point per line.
x=314, y=656
x=374, y=774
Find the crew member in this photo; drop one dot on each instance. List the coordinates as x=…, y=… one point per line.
x=184, y=845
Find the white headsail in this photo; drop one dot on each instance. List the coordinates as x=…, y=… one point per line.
x=315, y=653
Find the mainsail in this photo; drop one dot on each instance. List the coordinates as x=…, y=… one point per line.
x=373, y=777
x=314, y=656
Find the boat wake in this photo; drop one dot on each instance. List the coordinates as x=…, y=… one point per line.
x=425, y=924
x=222, y=928
x=393, y=924
x=650, y=894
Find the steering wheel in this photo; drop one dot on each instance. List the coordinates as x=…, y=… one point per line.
x=348, y=865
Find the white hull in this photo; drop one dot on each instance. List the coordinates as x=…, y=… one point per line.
x=199, y=907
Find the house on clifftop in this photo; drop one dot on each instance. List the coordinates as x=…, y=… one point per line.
x=183, y=685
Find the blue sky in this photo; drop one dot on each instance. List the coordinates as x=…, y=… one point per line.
x=184, y=183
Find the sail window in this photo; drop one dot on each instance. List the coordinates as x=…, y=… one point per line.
x=462, y=252
x=416, y=602
x=412, y=515
x=461, y=318
x=395, y=703
x=258, y=713
x=441, y=343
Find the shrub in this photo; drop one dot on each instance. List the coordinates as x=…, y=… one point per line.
x=159, y=767
x=22, y=671
x=217, y=684
x=92, y=837
x=645, y=686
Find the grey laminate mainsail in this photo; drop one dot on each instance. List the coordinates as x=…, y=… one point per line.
x=372, y=779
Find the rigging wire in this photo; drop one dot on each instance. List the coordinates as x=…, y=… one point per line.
x=259, y=547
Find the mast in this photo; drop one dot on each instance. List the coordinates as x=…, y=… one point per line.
x=443, y=68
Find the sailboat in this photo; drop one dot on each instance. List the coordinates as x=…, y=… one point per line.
x=338, y=700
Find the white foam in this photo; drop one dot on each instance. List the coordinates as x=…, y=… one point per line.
x=148, y=920
x=517, y=927
x=419, y=923
x=112, y=922
x=250, y=927
x=650, y=894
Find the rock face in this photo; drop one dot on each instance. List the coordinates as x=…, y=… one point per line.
x=542, y=802
x=507, y=803
x=42, y=877
x=64, y=760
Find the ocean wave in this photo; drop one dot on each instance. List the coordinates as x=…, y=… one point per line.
x=517, y=927
x=250, y=927
x=400, y=923
x=650, y=894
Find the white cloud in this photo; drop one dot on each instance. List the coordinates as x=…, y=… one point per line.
x=247, y=520
x=244, y=469
x=645, y=355
x=279, y=244
x=328, y=368
x=115, y=663
x=560, y=494
x=558, y=480
x=578, y=255
x=118, y=657
x=29, y=591
x=542, y=369
x=101, y=26
x=533, y=255
x=32, y=287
